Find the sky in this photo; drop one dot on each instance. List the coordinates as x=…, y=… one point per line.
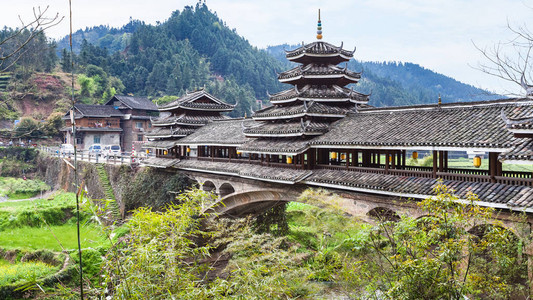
x=437, y=34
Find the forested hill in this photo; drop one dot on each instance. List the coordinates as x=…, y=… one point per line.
x=190, y=50
x=194, y=48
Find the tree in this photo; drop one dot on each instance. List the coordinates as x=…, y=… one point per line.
x=511, y=60
x=13, y=42
x=457, y=250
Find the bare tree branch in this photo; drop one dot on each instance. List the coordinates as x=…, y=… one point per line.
x=12, y=46
x=510, y=60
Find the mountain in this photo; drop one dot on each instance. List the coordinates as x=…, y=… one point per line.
x=399, y=83
x=194, y=48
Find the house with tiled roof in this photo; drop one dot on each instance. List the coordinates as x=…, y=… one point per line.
x=95, y=124
x=138, y=112
x=123, y=120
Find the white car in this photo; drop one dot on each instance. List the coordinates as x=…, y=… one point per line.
x=111, y=151
x=95, y=149
x=66, y=149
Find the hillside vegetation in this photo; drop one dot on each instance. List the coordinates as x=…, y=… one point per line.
x=194, y=48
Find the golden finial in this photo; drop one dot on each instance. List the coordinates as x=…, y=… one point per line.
x=440, y=101
x=319, y=27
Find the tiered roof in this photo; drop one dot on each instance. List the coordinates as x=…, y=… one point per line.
x=319, y=93
x=199, y=100
x=320, y=52
x=321, y=72
x=185, y=115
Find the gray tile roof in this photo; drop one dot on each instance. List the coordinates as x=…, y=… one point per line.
x=163, y=132
x=100, y=111
x=159, y=144
x=223, y=132
x=301, y=109
x=521, y=151
x=488, y=192
x=325, y=71
x=141, y=103
x=157, y=162
x=319, y=93
x=245, y=170
x=319, y=48
x=281, y=146
x=456, y=126
x=184, y=119
x=292, y=128
x=190, y=101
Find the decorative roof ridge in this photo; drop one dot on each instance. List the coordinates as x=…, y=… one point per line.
x=473, y=104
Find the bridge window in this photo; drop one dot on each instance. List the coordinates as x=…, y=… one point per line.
x=209, y=186
x=226, y=189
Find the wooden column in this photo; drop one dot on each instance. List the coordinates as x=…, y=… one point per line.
x=445, y=161
x=493, y=166
x=366, y=158
x=404, y=154
x=441, y=161
x=435, y=162
x=386, y=162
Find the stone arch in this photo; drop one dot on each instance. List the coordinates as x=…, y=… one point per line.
x=225, y=189
x=237, y=205
x=481, y=230
x=209, y=186
x=383, y=214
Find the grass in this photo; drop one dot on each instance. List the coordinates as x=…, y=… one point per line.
x=23, y=227
x=31, y=238
x=18, y=188
x=57, y=200
x=22, y=272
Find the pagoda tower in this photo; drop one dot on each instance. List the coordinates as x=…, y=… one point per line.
x=319, y=97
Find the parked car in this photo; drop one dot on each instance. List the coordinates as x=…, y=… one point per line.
x=66, y=149
x=95, y=149
x=111, y=151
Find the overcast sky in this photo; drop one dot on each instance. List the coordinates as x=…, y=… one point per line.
x=436, y=34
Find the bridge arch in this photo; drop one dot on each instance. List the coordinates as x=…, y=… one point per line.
x=383, y=214
x=225, y=189
x=252, y=202
x=209, y=186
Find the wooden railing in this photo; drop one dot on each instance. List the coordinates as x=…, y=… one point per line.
x=514, y=181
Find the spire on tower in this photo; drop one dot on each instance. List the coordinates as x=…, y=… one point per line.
x=319, y=27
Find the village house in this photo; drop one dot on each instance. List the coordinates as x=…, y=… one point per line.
x=123, y=120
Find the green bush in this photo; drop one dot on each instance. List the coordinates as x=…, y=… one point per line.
x=154, y=189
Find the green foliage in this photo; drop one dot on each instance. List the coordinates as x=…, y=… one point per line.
x=273, y=220
x=438, y=258
x=87, y=84
x=21, y=272
x=28, y=128
x=147, y=266
x=262, y=266
x=154, y=189
x=17, y=187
